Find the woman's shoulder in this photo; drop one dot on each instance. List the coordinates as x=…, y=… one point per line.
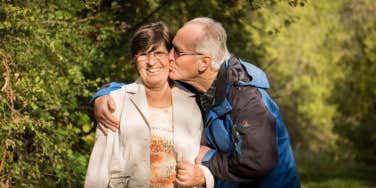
x=180, y=88
x=126, y=88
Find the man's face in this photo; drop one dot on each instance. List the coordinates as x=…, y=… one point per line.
x=183, y=59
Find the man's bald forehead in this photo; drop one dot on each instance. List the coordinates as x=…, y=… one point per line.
x=193, y=30
x=191, y=33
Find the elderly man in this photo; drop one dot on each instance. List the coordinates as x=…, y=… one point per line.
x=247, y=144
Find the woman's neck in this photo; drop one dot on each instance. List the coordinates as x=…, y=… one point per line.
x=159, y=97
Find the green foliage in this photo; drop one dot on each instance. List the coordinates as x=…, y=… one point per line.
x=357, y=108
x=319, y=56
x=45, y=56
x=325, y=171
x=300, y=69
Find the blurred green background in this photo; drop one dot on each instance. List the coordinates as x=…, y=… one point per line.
x=320, y=57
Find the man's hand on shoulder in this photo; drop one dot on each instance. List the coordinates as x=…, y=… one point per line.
x=104, y=106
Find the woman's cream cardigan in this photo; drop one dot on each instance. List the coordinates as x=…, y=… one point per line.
x=122, y=158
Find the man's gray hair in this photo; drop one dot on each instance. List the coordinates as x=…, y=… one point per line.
x=211, y=41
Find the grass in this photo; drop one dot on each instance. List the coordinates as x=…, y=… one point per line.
x=320, y=170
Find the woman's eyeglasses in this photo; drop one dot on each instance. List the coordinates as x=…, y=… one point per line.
x=142, y=57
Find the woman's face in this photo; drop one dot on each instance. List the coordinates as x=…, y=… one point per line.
x=153, y=67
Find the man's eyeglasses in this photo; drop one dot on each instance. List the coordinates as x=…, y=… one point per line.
x=143, y=57
x=178, y=53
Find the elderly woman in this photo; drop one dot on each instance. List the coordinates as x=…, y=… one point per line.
x=160, y=123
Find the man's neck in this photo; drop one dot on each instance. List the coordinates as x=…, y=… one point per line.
x=203, y=82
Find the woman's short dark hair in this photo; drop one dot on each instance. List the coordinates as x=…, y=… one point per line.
x=148, y=37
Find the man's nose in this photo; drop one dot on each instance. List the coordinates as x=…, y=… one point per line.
x=171, y=56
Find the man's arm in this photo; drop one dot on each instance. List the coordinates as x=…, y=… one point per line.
x=257, y=148
x=104, y=106
x=105, y=90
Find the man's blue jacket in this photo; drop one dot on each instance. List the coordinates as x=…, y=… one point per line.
x=251, y=145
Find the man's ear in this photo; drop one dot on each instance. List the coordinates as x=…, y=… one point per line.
x=204, y=64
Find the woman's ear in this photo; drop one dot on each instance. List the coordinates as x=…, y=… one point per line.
x=204, y=64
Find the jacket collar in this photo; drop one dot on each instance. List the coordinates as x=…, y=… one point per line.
x=138, y=97
x=232, y=74
x=181, y=101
